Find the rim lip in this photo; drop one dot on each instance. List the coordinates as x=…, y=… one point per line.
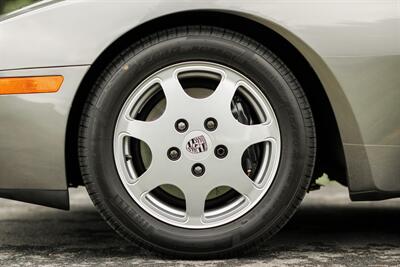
x=267, y=169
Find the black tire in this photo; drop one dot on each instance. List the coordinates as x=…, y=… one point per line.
x=221, y=46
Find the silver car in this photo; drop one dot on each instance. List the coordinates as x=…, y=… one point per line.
x=197, y=127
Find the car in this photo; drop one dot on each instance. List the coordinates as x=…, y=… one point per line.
x=197, y=127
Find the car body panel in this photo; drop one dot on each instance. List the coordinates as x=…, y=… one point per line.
x=353, y=46
x=32, y=132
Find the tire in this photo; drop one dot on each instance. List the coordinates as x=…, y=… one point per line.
x=194, y=44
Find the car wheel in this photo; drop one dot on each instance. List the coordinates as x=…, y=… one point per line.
x=197, y=142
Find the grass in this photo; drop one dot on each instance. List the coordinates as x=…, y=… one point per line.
x=7, y=6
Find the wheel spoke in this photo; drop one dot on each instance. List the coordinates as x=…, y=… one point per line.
x=172, y=88
x=225, y=91
x=195, y=201
x=149, y=180
x=238, y=180
x=243, y=184
x=253, y=134
x=142, y=130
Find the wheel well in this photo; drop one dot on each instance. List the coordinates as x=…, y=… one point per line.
x=330, y=155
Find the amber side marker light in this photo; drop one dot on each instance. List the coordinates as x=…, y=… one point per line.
x=30, y=85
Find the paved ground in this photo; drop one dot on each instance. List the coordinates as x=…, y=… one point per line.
x=327, y=230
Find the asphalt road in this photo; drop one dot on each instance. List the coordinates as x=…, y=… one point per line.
x=328, y=230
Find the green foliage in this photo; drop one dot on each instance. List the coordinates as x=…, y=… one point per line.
x=7, y=6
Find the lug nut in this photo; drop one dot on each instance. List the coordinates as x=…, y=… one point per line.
x=210, y=124
x=174, y=153
x=181, y=125
x=198, y=169
x=221, y=151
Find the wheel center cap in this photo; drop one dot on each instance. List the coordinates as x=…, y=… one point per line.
x=197, y=145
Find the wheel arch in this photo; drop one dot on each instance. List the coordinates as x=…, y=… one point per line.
x=312, y=73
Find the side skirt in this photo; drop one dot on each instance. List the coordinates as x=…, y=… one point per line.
x=50, y=198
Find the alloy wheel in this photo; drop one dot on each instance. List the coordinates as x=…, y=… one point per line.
x=197, y=144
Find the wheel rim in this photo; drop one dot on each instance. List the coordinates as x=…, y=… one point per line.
x=197, y=146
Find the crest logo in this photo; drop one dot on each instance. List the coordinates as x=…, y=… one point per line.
x=197, y=145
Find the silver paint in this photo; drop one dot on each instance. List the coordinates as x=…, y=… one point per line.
x=32, y=132
x=219, y=172
x=354, y=47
